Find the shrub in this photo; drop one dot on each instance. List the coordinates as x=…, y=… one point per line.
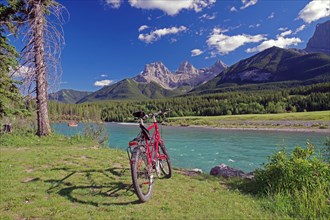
x=20, y=125
x=301, y=181
x=96, y=132
x=326, y=150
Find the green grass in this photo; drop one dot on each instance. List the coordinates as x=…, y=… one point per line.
x=318, y=118
x=63, y=178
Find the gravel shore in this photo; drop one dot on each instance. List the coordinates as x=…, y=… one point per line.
x=270, y=125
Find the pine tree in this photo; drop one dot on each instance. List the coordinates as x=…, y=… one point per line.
x=11, y=101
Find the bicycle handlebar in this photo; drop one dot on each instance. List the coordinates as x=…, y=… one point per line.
x=142, y=115
x=161, y=112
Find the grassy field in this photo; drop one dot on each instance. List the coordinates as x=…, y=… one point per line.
x=63, y=178
x=314, y=120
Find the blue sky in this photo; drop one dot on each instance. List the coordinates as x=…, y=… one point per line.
x=109, y=40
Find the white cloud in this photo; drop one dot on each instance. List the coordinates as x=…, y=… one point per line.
x=113, y=3
x=201, y=31
x=233, y=9
x=172, y=7
x=279, y=42
x=231, y=28
x=104, y=75
x=208, y=17
x=271, y=16
x=105, y=82
x=157, y=34
x=315, y=10
x=143, y=27
x=302, y=27
x=224, y=44
x=248, y=3
x=282, y=29
x=196, y=52
x=285, y=33
x=254, y=25
x=22, y=72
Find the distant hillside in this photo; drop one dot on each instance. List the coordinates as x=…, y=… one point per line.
x=68, y=95
x=129, y=89
x=273, y=65
x=320, y=41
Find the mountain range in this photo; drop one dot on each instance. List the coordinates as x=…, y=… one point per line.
x=186, y=75
x=68, y=95
x=272, y=68
x=156, y=81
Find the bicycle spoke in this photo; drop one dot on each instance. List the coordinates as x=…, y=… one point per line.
x=142, y=180
x=164, y=162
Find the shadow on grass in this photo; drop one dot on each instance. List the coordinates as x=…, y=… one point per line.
x=244, y=186
x=112, y=192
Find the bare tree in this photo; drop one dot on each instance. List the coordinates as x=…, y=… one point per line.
x=42, y=34
x=40, y=68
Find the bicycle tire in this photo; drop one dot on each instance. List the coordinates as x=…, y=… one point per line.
x=165, y=164
x=141, y=177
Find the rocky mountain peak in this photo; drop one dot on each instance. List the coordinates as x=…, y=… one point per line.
x=156, y=72
x=155, y=67
x=186, y=68
x=320, y=41
x=219, y=66
x=187, y=75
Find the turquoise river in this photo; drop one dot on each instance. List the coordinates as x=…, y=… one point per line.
x=205, y=148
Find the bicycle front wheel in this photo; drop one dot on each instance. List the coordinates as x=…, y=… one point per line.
x=164, y=161
x=141, y=176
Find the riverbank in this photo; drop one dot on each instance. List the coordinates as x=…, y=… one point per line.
x=318, y=130
x=299, y=122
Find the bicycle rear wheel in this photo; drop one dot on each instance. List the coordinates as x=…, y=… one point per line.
x=141, y=177
x=164, y=161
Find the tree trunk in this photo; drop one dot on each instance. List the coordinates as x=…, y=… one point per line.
x=40, y=68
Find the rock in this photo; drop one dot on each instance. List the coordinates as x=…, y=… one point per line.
x=196, y=170
x=7, y=128
x=320, y=41
x=226, y=171
x=192, y=172
x=186, y=68
x=249, y=176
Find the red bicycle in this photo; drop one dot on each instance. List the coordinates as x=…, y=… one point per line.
x=148, y=155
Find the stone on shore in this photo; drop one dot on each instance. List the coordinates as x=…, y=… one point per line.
x=196, y=170
x=227, y=172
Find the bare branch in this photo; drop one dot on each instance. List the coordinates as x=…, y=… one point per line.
x=54, y=42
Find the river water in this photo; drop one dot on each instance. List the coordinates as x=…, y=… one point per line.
x=205, y=148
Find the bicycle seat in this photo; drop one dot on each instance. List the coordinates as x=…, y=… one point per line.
x=139, y=114
x=145, y=131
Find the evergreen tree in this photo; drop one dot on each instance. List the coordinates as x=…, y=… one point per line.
x=11, y=101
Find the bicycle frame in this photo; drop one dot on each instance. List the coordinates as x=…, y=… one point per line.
x=152, y=145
